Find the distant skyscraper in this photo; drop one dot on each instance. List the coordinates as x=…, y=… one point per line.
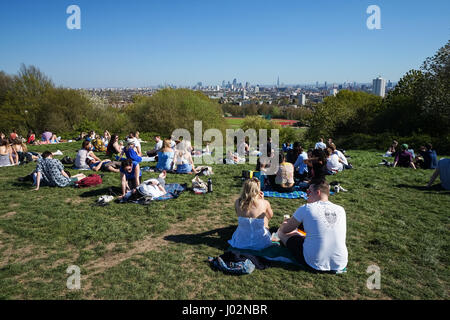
x=325, y=85
x=379, y=87
x=317, y=84
x=278, y=82
x=302, y=99
x=234, y=82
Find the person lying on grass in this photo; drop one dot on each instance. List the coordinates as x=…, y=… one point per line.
x=50, y=172
x=253, y=214
x=323, y=248
x=153, y=188
x=104, y=165
x=130, y=175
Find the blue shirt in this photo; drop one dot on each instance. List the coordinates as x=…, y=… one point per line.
x=131, y=154
x=165, y=160
x=130, y=175
x=429, y=159
x=444, y=171
x=320, y=145
x=302, y=167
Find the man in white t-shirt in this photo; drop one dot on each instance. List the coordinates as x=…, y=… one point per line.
x=323, y=248
x=333, y=163
x=158, y=146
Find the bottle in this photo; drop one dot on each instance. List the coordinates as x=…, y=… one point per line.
x=210, y=188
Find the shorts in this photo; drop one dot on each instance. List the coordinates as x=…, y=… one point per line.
x=295, y=246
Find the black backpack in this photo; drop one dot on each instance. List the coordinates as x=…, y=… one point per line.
x=67, y=160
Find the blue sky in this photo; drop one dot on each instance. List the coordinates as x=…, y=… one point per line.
x=147, y=42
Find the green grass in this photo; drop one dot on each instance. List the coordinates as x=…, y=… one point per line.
x=159, y=251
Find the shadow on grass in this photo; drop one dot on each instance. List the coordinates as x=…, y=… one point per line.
x=114, y=191
x=437, y=188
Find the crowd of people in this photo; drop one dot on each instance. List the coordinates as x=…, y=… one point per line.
x=405, y=156
x=296, y=165
x=316, y=232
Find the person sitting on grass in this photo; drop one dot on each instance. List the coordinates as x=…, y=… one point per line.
x=6, y=158
x=130, y=175
x=83, y=154
x=404, y=158
x=22, y=153
x=253, y=214
x=104, y=165
x=131, y=153
x=342, y=158
x=429, y=156
x=392, y=152
x=443, y=171
x=317, y=164
x=323, y=248
x=320, y=145
x=50, y=172
x=153, y=188
x=183, y=159
x=284, y=179
x=46, y=136
x=165, y=157
x=113, y=146
x=136, y=141
x=300, y=166
x=158, y=147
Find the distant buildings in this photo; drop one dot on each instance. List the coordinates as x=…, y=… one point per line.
x=333, y=92
x=379, y=87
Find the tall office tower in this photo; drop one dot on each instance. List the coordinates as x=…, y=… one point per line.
x=379, y=87
x=317, y=84
x=223, y=84
x=325, y=85
x=278, y=82
x=302, y=99
x=234, y=82
x=256, y=89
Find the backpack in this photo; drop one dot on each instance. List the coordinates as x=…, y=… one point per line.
x=89, y=181
x=67, y=160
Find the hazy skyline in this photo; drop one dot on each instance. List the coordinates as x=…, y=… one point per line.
x=147, y=43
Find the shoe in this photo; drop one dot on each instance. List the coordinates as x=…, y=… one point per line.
x=342, y=189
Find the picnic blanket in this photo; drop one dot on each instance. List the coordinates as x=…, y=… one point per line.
x=296, y=194
x=173, y=191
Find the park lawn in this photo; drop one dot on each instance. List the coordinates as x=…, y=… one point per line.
x=159, y=251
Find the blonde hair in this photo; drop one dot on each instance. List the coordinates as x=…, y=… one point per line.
x=166, y=143
x=249, y=194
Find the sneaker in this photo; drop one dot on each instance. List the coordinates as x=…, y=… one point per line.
x=342, y=189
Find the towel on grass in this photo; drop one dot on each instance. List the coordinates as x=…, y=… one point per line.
x=296, y=194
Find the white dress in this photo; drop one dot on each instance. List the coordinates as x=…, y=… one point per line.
x=251, y=234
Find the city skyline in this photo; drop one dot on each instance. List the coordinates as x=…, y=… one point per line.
x=148, y=43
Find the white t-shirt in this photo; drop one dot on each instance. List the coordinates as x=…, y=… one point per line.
x=333, y=163
x=325, y=225
x=241, y=149
x=341, y=156
x=151, y=190
x=136, y=142
x=80, y=160
x=158, y=145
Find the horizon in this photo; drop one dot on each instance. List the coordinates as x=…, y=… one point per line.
x=145, y=44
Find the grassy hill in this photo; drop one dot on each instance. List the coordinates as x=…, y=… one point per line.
x=159, y=251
